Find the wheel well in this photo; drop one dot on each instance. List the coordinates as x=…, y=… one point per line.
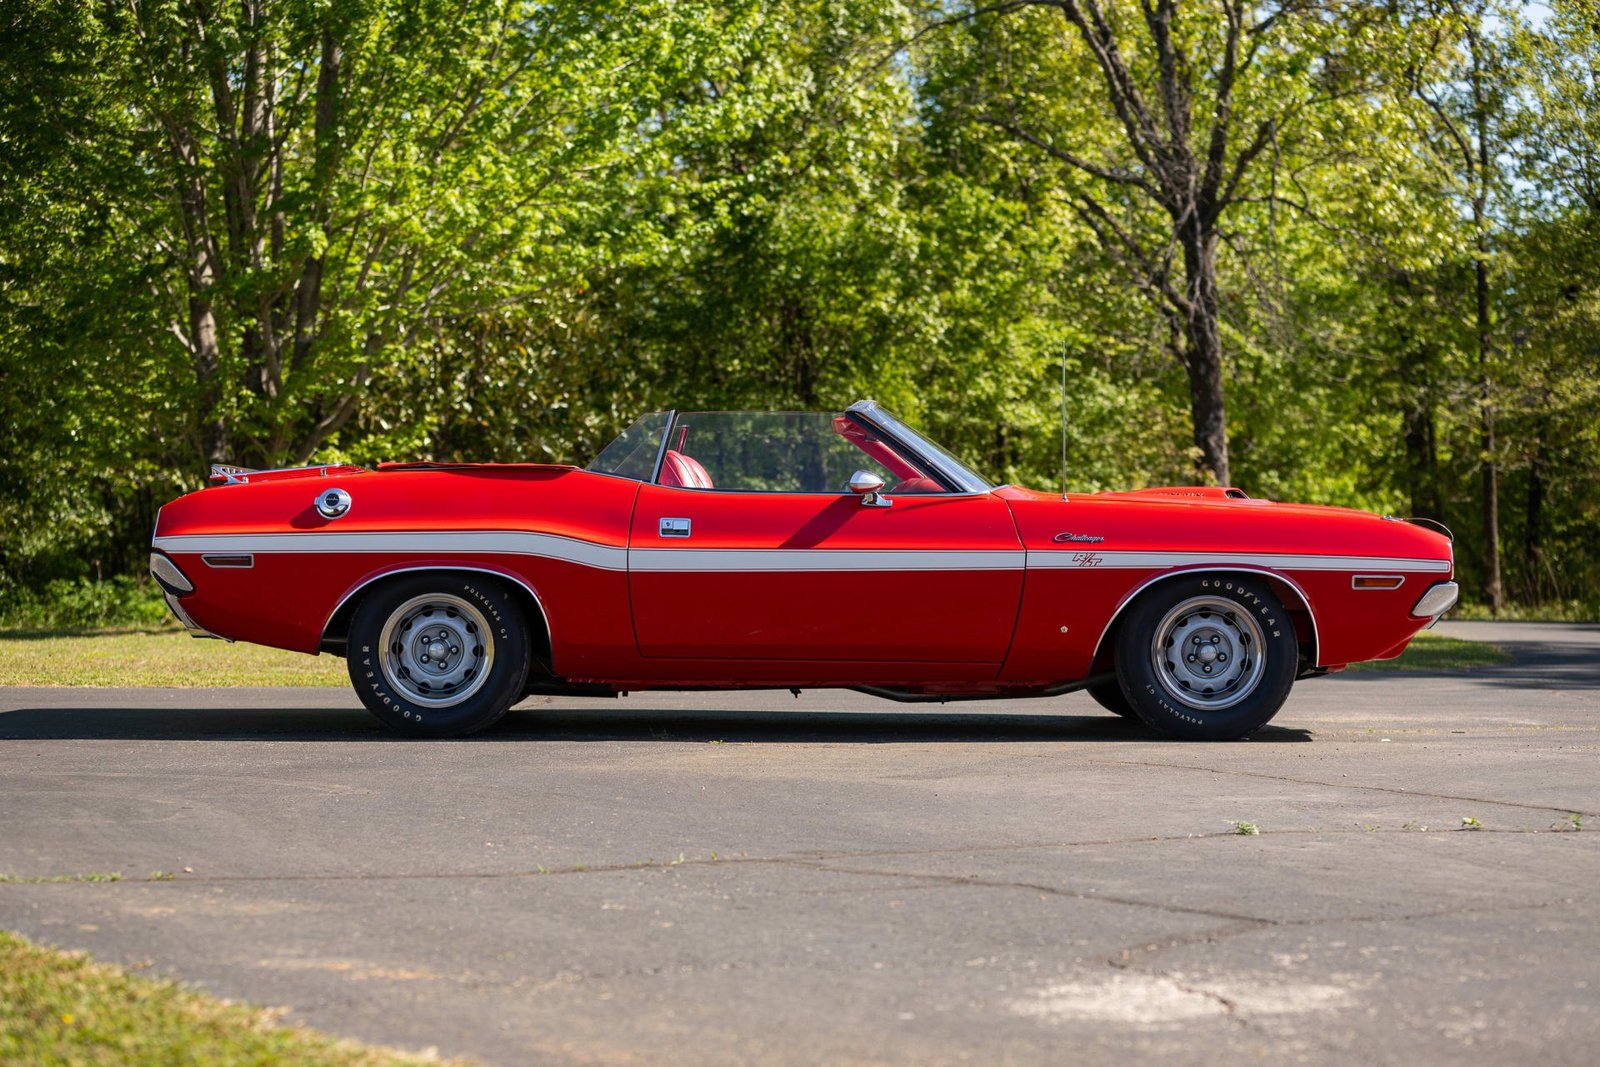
x=1290, y=595
x=336, y=634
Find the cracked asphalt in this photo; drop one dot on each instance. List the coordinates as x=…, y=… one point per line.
x=755, y=878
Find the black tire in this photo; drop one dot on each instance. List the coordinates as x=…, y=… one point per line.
x=1231, y=624
x=439, y=654
x=1109, y=695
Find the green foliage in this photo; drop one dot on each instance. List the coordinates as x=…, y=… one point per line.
x=501, y=229
x=121, y=602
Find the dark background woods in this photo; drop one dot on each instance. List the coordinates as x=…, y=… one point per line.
x=1336, y=252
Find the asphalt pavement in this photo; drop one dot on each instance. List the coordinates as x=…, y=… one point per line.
x=759, y=878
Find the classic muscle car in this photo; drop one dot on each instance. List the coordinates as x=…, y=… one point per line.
x=730, y=550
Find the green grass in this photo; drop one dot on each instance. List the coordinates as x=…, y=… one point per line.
x=155, y=658
x=172, y=658
x=1436, y=652
x=64, y=1008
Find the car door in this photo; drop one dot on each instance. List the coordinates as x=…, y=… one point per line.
x=717, y=574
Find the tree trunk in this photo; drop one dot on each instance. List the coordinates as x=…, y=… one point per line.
x=1203, y=353
x=201, y=278
x=1493, y=591
x=1533, y=526
x=1422, y=483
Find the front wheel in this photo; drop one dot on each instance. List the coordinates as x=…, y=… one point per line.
x=436, y=655
x=1109, y=696
x=1207, y=657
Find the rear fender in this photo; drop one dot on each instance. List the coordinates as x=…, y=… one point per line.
x=335, y=631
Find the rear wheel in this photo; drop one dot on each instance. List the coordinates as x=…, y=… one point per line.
x=436, y=655
x=1207, y=657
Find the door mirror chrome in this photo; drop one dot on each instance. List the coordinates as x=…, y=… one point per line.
x=870, y=487
x=332, y=503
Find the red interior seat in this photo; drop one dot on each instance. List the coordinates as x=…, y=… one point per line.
x=917, y=485
x=685, y=471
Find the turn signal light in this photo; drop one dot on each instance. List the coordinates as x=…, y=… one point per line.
x=1377, y=581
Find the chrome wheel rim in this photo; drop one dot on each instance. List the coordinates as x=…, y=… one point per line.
x=436, y=650
x=1208, y=653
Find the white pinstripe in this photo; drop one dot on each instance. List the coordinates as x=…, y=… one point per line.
x=691, y=560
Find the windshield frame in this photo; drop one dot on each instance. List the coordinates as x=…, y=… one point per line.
x=661, y=449
x=947, y=467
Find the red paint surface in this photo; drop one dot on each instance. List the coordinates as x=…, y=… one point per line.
x=964, y=630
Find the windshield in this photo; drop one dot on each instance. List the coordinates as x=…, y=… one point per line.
x=781, y=452
x=784, y=452
x=633, y=454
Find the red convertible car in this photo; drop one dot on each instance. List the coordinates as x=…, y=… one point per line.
x=724, y=550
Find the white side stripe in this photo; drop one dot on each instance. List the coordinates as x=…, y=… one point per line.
x=1074, y=559
x=819, y=559
x=689, y=560
x=506, y=542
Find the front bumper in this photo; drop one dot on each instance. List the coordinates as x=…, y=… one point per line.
x=1440, y=598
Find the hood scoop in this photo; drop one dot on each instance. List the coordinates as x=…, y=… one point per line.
x=1192, y=492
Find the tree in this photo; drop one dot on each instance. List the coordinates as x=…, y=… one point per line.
x=1189, y=98
x=1468, y=104
x=318, y=190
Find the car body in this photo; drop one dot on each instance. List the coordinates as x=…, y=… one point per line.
x=720, y=550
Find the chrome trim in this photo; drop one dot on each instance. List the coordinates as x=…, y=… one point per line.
x=661, y=449
x=1440, y=598
x=229, y=474
x=1190, y=650
x=381, y=575
x=332, y=503
x=169, y=576
x=870, y=488
x=235, y=475
x=1305, y=602
x=954, y=475
x=1399, y=580
x=194, y=628
x=417, y=649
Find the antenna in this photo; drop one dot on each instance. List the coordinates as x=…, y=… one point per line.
x=1063, y=418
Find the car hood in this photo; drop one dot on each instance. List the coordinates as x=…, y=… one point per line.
x=1214, y=519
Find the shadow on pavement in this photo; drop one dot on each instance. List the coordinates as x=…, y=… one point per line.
x=566, y=724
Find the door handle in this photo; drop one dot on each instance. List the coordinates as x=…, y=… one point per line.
x=674, y=528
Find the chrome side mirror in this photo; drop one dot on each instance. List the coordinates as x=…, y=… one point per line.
x=333, y=504
x=870, y=487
